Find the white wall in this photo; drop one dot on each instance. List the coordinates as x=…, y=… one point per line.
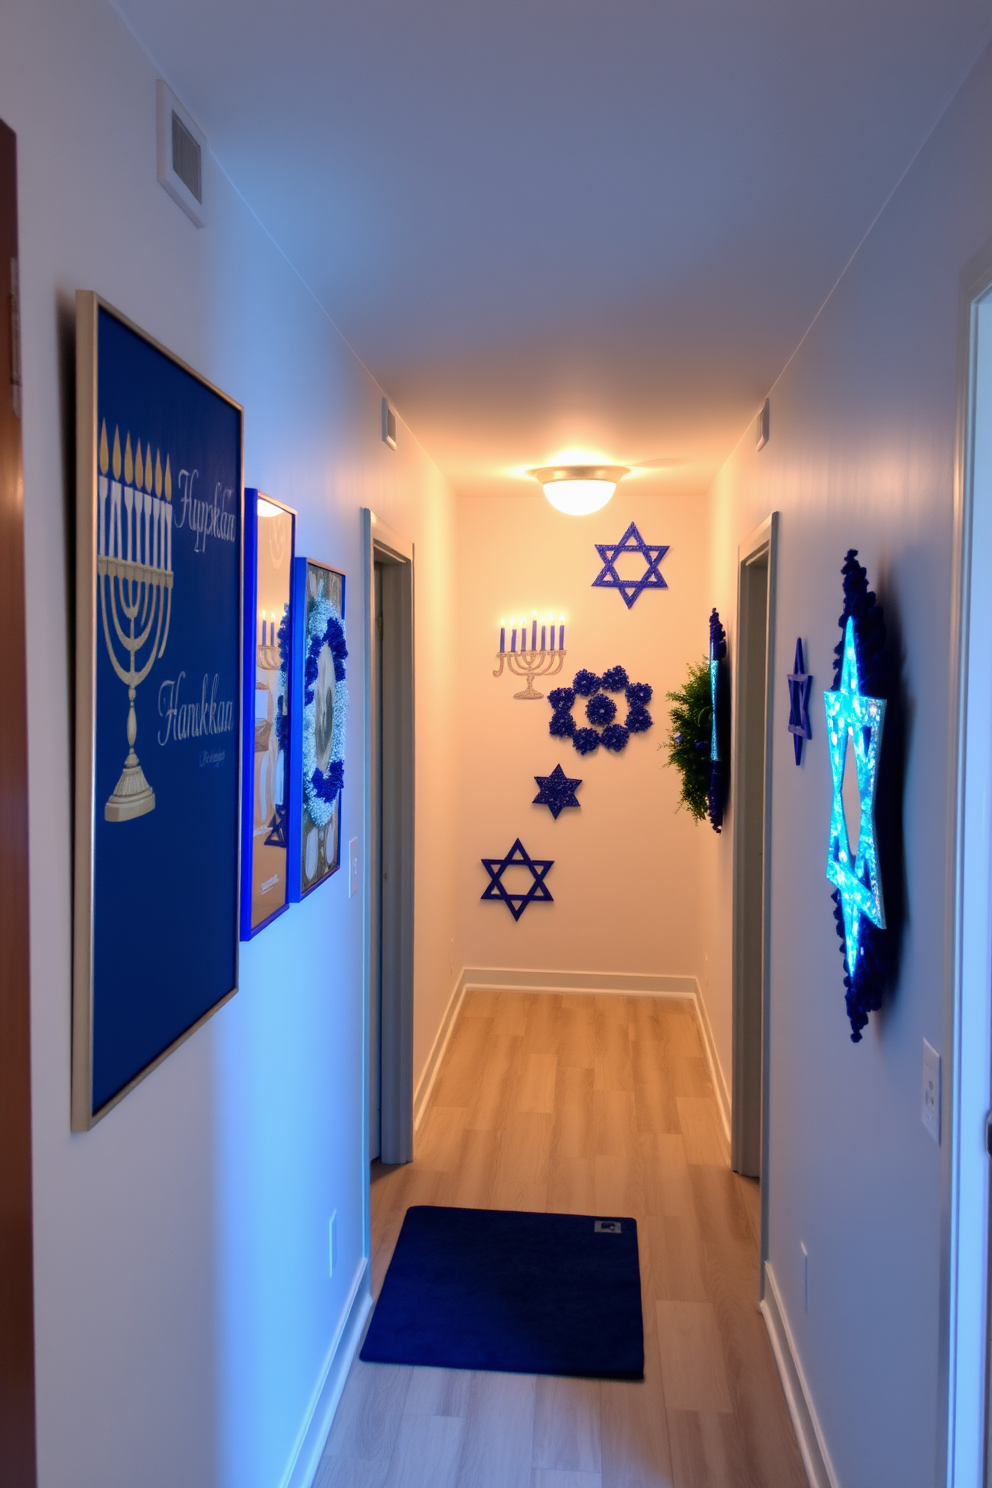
x=625, y=863
x=862, y=452
x=184, y=1310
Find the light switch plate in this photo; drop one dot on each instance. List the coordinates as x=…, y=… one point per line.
x=931, y=1091
x=352, y=867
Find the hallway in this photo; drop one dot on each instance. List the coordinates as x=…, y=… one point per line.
x=583, y=1104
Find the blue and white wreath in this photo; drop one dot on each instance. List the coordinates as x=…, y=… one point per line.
x=325, y=627
x=601, y=710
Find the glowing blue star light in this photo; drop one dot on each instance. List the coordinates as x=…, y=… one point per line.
x=853, y=718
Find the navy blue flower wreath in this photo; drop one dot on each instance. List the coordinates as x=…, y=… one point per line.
x=601, y=710
x=865, y=986
x=325, y=627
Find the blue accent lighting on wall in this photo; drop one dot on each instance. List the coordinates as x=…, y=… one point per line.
x=854, y=727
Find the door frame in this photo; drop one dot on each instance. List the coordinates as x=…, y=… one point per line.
x=966, y=1095
x=393, y=877
x=761, y=543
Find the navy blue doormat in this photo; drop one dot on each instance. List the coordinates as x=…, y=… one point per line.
x=518, y=1292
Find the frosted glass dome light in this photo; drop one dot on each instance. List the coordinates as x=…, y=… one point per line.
x=578, y=490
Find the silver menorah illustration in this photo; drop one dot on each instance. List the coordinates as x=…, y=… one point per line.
x=134, y=577
x=533, y=661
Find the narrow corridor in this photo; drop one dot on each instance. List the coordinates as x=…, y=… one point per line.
x=597, y=1105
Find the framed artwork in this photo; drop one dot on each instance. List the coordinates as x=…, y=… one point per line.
x=158, y=705
x=270, y=537
x=321, y=696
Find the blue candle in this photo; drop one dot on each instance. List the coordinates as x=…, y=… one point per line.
x=502, y=638
x=533, y=634
x=561, y=634
x=513, y=637
x=544, y=638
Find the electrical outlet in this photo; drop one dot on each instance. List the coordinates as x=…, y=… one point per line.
x=931, y=1091
x=805, y=1259
x=332, y=1243
x=352, y=867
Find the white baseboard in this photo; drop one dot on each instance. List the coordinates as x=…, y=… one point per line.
x=429, y=1072
x=627, y=984
x=316, y=1427
x=816, y=1458
x=713, y=1059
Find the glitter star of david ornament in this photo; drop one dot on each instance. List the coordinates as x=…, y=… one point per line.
x=556, y=792
x=854, y=736
x=517, y=857
x=630, y=589
x=800, y=684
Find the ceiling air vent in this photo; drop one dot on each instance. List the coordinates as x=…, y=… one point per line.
x=181, y=148
x=388, y=424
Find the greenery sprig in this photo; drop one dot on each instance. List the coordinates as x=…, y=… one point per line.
x=689, y=738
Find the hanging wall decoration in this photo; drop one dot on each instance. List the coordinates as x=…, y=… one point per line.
x=600, y=710
x=556, y=791
x=855, y=710
x=631, y=589
x=719, y=778
x=800, y=682
x=699, y=738
x=531, y=660
x=320, y=693
x=158, y=698
x=270, y=531
x=518, y=857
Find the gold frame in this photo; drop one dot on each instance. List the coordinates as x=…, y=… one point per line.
x=88, y=305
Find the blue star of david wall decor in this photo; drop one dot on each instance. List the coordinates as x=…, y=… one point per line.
x=854, y=735
x=518, y=857
x=630, y=589
x=800, y=683
x=556, y=791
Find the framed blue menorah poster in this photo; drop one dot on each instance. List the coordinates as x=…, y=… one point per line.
x=270, y=535
x=158, y=705
x=320, y=698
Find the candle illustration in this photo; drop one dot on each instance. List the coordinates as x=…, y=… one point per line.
x=502, y=636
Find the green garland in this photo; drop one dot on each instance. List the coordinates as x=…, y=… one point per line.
x=689, y=740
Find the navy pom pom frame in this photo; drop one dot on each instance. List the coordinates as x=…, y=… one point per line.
x=602, y=726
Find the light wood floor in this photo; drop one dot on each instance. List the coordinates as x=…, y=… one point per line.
x=589, y=1105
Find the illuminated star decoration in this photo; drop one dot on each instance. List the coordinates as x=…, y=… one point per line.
x=631, y=542
x=853, y=717
x=517, y=857
x=556, y=791
x=800, y=683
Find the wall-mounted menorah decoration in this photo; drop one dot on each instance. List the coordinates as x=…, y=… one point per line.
x=134, y=578
x=533, y=660
x=159, y=645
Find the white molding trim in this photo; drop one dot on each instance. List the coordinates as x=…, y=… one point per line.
x=713, y=1059
x=310, y=1443
x=628, y=983
x=429, y=1073
x=816, y=1458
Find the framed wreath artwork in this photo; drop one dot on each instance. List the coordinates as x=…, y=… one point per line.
x=320, y=693
x=270, y=531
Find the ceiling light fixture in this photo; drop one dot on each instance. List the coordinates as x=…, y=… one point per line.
x=579, y=489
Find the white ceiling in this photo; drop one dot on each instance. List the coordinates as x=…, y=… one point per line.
x=598, y=225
